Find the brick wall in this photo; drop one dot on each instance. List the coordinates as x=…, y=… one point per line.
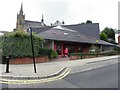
x=27, y=60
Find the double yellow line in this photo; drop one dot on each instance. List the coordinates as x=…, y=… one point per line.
x=60, y=76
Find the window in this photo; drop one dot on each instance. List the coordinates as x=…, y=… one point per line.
x=20, y=22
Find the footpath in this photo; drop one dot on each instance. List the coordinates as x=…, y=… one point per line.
x=48, y=68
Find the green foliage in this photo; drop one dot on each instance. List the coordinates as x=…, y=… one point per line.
x=18, y=44
x=44, y=51
x=117, y=48
x=54, y=54
x=1, y=40
x=82, y=55
x=49, y=52
x=110, y=34
x=109, y=53
x=103, y=36
x=93, y=49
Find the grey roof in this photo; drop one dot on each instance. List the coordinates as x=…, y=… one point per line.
x=28, y=21
x=34, y=23
x=38, y=30
x=90, y=29
x=66, y=34
x=105, y=43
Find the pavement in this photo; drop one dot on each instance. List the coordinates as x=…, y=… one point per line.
x=48, y=69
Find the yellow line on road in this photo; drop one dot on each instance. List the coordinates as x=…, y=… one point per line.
x=64, y=74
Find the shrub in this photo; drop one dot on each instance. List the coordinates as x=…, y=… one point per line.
x=49, y=52
x=109, y=53
x=117, y=48
x=18, y=44
x=54, y=54
x=44, y=51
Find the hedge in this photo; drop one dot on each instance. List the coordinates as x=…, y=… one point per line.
x=49, y=52
x=18, y=44
x=109, y=53
x=54, y=54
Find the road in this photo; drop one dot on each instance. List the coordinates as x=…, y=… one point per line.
x=102, y=77
x=105, y=77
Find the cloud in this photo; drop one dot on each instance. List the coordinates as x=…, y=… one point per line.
x=71, y=11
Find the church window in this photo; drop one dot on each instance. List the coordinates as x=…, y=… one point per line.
x=20, y=22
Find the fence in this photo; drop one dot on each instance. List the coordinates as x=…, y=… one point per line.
x=92, y=55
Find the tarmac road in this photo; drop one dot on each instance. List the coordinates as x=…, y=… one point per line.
x=102, y=77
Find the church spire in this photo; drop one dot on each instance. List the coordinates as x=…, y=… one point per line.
x=21, y=9
x=20, y=19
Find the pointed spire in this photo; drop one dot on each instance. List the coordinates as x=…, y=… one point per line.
x=42, y=20
x=21, y=9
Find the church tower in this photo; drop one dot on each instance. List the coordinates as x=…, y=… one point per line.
x=20, y=24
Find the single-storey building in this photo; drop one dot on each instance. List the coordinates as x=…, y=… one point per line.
x=60, y=37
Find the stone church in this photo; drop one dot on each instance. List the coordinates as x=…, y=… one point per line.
x=23, y=24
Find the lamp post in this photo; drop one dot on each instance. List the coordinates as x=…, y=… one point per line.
x=7, y=65
x=33, y=56
x=97, y=48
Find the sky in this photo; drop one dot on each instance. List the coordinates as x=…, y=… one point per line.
x=104, y=12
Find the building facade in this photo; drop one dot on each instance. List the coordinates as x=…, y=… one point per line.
x=58, y=36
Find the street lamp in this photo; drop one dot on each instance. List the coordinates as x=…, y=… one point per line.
x=33, y=56
x=7, y=64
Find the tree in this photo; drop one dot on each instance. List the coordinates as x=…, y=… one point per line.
x=103, y=36
x=88, y=21
x=0, y=42
x=110, y=34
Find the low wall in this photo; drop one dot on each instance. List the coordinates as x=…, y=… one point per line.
x=28, y=60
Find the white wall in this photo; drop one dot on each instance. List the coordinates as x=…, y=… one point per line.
x=116, y=38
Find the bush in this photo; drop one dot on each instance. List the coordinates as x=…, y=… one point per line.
x=117, y=48
x=109, y=53
x=49, y=52
x=0, y=56
x=54, y=54
x=18, y=44
x=44, y=51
